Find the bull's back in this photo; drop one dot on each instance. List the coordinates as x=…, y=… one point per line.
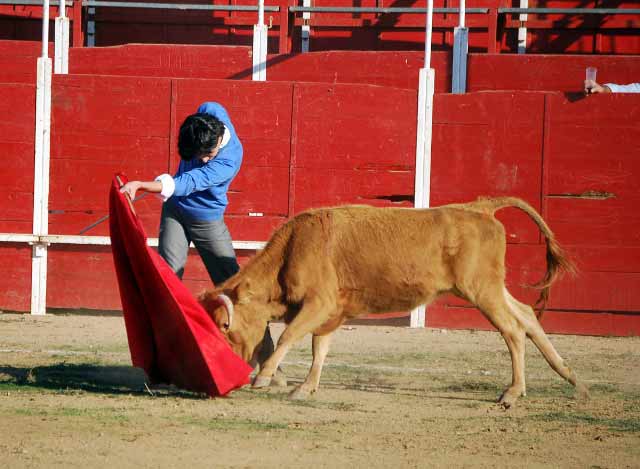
x=386, y=259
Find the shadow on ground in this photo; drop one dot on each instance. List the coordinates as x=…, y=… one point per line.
x=88, y=378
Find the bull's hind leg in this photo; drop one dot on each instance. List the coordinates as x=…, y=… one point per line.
x=534, y=330
x=494, y=306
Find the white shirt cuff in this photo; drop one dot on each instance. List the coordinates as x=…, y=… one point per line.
x=168, y=186
x=225, y=137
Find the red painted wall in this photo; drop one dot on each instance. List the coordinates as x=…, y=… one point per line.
x=389, y=68
x=17, y=136
x=311, y=144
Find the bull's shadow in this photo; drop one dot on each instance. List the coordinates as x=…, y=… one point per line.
x=100, y=379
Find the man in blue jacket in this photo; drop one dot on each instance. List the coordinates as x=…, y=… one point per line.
x=195, y=198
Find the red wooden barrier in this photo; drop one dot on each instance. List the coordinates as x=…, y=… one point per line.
x=385, y=68
x=17, y=136
x=311, y=144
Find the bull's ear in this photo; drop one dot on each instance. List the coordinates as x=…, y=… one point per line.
x=214, y=306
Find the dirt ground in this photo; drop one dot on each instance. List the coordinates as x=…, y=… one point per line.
x=389, y=397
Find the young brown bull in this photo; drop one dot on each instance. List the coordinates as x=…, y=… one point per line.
x=328, y=265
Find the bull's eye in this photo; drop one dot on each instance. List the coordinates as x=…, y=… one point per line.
x=226, y=326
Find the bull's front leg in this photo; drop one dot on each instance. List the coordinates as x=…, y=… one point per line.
x=320, y=346
x=310, y=317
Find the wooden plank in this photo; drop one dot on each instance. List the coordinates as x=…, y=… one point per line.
x=601, y=284
x=161, y=60
x=259, y=190
x=317, y=188
x=553, y=322
x=17, y=145
x=108, y=105
x=606, y=258
x=397, y=69
x=591, y=199
x=15, y=277
x=476, y=153
x=331, y=115
x=16, y=210
x=598, y=291
x=82, y=277
x=245, y=228
x=540, y=72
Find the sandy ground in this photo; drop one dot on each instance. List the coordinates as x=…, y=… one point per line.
x=389, y=397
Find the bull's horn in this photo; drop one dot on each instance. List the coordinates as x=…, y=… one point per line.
x=228, y=305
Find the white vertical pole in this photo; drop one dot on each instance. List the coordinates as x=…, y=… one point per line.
x=427, y=43
x=423, y=142
x=260, y=46
x=61, y=57
x=305, y=35
x=460, y=52
x=41, y=172
x=522, y=30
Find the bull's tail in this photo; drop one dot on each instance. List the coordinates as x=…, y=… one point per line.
x=557, y=260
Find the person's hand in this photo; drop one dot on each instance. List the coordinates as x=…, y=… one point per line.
x=131, y=188
x=591, y=87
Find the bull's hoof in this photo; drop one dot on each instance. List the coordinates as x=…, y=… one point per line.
x=582, y=392
x=279, y=380
x=261, y=382
x=509, y=398
x=299, y=394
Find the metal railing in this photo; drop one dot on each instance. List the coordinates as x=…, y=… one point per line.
x=176, y=6
x=301, y=9
x=35, y=3
x=570, y=11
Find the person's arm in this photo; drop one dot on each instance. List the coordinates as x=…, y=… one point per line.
x=215, y=172
x=630, y=88
x=132, y=187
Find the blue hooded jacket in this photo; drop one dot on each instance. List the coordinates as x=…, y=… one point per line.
x=201, y=188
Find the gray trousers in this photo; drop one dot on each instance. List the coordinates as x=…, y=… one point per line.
x=211, y=239
x=213, y=242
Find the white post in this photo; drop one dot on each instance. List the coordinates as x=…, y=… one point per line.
x=260, y=46
x=305, y=35
x=61, y=57
x=423, y=142
x=460, y=52
x=41, y=172
x=522, y=30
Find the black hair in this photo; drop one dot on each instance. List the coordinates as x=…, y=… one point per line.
x=199, y=134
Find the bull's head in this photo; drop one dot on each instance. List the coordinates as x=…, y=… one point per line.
x=237, y=320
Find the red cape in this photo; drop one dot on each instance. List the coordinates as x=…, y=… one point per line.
x=170, y=335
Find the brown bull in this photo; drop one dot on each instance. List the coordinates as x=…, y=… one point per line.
x=326, y=266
